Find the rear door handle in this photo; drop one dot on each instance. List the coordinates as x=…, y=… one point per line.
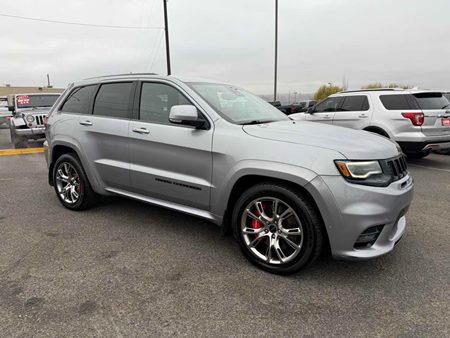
x=362, y=116
x=327, y=117
x=141, y=130
x=86, y=123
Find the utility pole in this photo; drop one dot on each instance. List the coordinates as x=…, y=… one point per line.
x=276, y=52
x=48, y=80
x=166, y=29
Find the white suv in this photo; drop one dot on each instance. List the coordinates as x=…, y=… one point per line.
x=419, y=121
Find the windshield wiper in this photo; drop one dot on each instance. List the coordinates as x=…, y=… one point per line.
x=445, y=106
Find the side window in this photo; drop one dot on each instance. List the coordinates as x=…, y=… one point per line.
x=80, y=100
x=113, y=99
x=399, y=102
x=355, y=103
x=156, y=101
x=329, y=105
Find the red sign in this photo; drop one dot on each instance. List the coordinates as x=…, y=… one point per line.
x=23, y=99
x=446, y=121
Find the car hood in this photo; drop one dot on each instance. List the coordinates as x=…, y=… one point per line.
x=351, y=143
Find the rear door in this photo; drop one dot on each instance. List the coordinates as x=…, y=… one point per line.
x=104, y=134
x=436, y=109
x=168, y=161
x=354, y=112
x=324, y=111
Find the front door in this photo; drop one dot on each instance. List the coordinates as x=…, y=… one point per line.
x=167, y=161
x=324, y=111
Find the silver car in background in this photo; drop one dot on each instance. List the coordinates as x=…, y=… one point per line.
x=286, y=189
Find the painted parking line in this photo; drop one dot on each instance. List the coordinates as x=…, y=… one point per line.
x=10, y=152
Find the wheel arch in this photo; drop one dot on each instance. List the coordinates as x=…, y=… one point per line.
x=377, y=130
x=247, y=181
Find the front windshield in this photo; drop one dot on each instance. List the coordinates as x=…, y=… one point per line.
x=31, y=101
x=236, y=105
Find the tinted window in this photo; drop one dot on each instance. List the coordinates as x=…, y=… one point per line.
x=432, y=100
x=113, y=100
x=156, y=101
x=355, y=103
x=399, y=102
x=80, y=100
x=329, y=105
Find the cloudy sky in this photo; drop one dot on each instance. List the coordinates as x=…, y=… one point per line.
x=320, y=41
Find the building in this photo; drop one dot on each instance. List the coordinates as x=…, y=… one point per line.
x=7, y=90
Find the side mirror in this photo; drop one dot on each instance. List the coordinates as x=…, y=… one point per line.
x=10, y=108
x=310, y=110
x=186, y=115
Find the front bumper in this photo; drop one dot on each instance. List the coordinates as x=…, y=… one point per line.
x=31, y=132
x=349, y=209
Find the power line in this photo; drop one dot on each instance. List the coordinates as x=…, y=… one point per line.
x=76, y=23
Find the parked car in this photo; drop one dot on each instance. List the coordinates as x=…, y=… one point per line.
x=5, y=114
x=29, y=112
x=285, y=189
x=419, y=121
x=296, y=107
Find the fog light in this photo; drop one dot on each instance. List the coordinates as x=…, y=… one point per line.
x=368, y=237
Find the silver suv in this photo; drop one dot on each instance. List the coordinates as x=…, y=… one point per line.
x=29, y=112
x=419, y=121
x=285, y=189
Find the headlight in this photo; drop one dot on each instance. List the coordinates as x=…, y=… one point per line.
x=29, y=118
x=363, y=172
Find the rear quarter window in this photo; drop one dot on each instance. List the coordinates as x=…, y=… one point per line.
x=399, y=102
x=80, y=100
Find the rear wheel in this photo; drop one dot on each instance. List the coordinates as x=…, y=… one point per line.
x=71, y=184
x=277, y=228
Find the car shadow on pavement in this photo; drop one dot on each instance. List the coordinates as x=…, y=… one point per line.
x=148, y=218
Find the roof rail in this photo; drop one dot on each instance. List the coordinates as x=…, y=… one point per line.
x=371, y=90
x=113, y=75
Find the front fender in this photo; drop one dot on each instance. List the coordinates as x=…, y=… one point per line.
x=222, y=188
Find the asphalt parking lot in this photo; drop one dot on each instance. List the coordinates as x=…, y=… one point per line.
x=126, y=268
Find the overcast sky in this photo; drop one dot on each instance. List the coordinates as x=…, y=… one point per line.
x=320, y=41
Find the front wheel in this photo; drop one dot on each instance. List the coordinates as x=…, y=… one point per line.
x=71, y=183
x=278, y=229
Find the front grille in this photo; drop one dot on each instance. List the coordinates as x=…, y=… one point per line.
x=39, y=119
x=396, y=167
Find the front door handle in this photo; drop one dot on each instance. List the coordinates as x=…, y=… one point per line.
x=86, y=123
x=362, y=116
x=141, y=130
x=327, y=117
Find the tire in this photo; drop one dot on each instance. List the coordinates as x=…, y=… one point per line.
x=71, y=184
x=305, y=220
x=16, y=140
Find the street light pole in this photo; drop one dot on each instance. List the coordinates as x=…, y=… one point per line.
x=276, y=52
x=166, y=29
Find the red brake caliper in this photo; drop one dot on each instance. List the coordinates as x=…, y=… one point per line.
x=257, y=224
